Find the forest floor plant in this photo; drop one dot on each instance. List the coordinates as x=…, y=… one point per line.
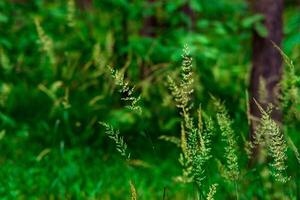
x=196, y=141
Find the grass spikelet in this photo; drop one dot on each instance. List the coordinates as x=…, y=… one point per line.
x=200, y=121
x=212, y=192
x=175, y=91
x=205, y=138
x=290, y=83
x=133, y=191
x=184, y=159
x=71, y=13
x=225, y=123
x=195, y=140
x=126, y=90
x=183, y=141
x=182, y=96
x=45, y=41
x=187, y=76
x=182, y=93
x=121, y=146
x=268, y=132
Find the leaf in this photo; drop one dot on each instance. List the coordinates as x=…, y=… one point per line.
x=3, y=18
x=2, y=134
x=261, y=29
x=42, y=154
x=249, y=21
x=196, y=5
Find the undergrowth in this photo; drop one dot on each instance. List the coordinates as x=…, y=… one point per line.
x=200, y=136
x=79, y=83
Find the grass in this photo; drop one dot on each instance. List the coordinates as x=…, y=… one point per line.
x=83, y=173
x=65, y=68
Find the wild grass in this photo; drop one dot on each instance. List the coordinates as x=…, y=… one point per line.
x=268, y=134
x=45, y=41
x=55, y=86
x=212, y=192
x=126, y=90
x=121, y=146
x=195, y=139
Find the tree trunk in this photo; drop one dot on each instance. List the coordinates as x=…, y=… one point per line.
x=149, y=28
x=187, y=10
x=150, y=24
x=84, y=4
x=267, y=63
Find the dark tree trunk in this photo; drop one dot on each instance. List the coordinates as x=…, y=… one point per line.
x=124, y=33
x=84, y=4
x=149, y=24
x=149, y=28
x=267, y=62
x=188, y=11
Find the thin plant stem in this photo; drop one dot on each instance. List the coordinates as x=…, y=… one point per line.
x=236, y=190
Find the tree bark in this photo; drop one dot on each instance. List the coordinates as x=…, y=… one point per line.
x=267, y=62
x=149, y=25
x=84, y=4
x=149, y=28
x=187, y=10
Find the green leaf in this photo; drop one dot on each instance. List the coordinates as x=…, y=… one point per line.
x=249, y=21
x=196, y=5
x=261, y=29
x=3, y=18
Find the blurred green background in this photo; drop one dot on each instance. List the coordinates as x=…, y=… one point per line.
x=55, y=88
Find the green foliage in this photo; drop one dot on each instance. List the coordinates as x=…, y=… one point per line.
x=55, y=86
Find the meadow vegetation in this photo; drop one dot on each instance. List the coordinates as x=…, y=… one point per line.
x=90, y=108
